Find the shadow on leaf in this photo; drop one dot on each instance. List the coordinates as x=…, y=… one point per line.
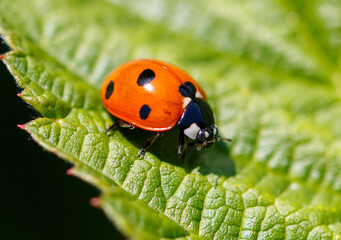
x=216, y=160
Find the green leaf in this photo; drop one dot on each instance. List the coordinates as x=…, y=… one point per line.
x=271, y=70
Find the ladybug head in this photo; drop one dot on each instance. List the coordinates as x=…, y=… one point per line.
x=197, y=121
x=207, y=136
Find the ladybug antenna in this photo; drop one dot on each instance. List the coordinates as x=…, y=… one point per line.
x=214, y=140
x=224, y=139
x=200, y=145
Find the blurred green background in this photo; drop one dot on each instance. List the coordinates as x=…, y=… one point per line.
x=39, y=200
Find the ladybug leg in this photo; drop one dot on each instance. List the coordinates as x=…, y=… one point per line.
x=126, y=125
x=121, y=124
x=115, y=125
x=149, y=142
x=182, y=145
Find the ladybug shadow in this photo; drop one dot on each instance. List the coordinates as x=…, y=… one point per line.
x=216, y=160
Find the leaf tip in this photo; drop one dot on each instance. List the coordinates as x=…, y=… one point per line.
x=95, y=201
x=1, y=56
x=21, y=126
x=19, y=95
x=70, y=171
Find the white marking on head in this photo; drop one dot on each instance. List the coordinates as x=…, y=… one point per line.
x=215, y=130
x=198, y=95
x=206, y=134
x=192, y=131
x=187, y=100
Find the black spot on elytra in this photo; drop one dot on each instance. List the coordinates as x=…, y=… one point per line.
x=145, y=77
x=144, y=111
x=110, y=90
x=183, y=90
x=187, y=90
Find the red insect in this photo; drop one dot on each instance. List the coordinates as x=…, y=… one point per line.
x=156, y=96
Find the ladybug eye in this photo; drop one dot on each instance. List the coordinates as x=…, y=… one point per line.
x=201, y=135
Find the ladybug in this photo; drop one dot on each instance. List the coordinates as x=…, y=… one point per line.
x=156, y=96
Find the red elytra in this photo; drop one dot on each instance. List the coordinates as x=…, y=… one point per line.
x=155, y=96
x=161, y=94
